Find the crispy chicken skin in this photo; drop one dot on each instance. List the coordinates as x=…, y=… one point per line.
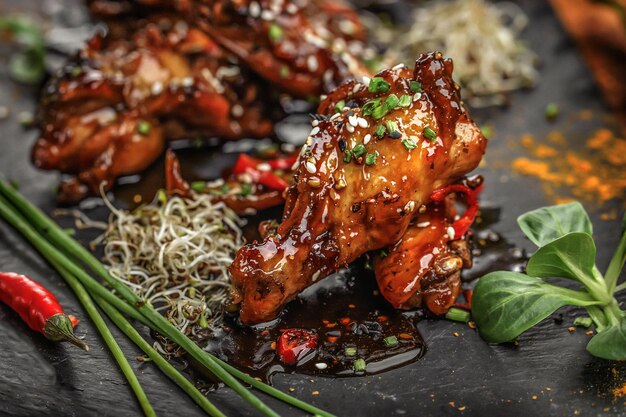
x=338, y=210
x=424, y=267
x=111, y=110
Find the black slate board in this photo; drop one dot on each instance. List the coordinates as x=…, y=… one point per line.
x=39, y=378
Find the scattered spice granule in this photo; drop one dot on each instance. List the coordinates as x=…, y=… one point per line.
x=456, y=334
x=534, y=397
x=548, y=389
x=593, y=174
x=315, y=393
x=461, y=408
x=137, y=198
x=351, y=306
x=405, y=336
x=571, y=329
x=291, y=389
x=273, y=345
x=471, y=324
x=589, y=333
x=452, y=404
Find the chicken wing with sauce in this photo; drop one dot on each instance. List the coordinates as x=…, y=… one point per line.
x=363, y=175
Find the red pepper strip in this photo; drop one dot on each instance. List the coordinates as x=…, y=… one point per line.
x=294, y=344
x=249, y=165
x=471, y=199
x=467, y=305
x=38, y=307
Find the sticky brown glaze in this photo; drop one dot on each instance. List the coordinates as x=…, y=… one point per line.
x=424, y=267
x=303, y=48
x=338, y=210
x=173, y=81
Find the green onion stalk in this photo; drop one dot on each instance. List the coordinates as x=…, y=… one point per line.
x=58, y=239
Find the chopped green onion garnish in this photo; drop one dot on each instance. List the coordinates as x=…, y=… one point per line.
x=350, y=351
x=392, y=101
x=162, y=196
x=246, y=189
x=359, y=365
x=275, y=32
x=390, y=341
x=583, y=322
x=380, y=131
x=348, y=156
x=144, y=128
x=339, y=106
x=76, y=71
x=370, y=106
x=198, y=186
x=405, y=101
x=370, y=159
x=378, y=85
x=456, y=314
x=429, y=134
x=409, y=143
x=392, y=126
x=359, y=150
x=487, y=131
x=284, y=71
x=552, y=111
x=416, y=86
x=383, y=253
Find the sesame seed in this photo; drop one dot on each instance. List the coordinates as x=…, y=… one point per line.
x=157, y=88
x=292, y=8
x=295, y=164
x=362, y=122
x=314, y=182
x=335, y=116
x=356, y=87
x=423, y=224
x=450, y=231
x=267, y=15
x=321, y=365
x=315, y=122
x=417, y=96
x=366, y=81
x=310, y=167
x=341, y=184
x=312, y=63
x=315, y=131
x=187, y=82
x=397, y=67
x=315, y=276
x=237, y=110
x=350, y=128
x=264, y=166
x=353, y=120
x=367, y=139
x=254, y=10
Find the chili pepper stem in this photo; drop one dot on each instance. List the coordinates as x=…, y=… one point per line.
x=59, y=327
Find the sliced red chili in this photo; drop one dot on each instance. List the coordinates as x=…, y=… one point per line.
x=295, y=344
x=471, y=199
x=250, y=165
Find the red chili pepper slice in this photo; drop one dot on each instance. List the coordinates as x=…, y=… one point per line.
x=38, y=307
x=250, y=165
x=471, y=199
x=467, y=305
x=294, y=344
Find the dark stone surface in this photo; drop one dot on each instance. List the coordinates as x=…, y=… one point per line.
x=39, y=378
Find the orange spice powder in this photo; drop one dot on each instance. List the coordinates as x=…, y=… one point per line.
x=596, y=174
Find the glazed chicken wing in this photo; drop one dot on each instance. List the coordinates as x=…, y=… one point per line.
x=109, y=112
x=363, y=175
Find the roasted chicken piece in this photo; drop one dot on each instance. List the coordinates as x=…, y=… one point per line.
x=424, y=267
x=363, y=176
x=110, y=111
x=303, y=48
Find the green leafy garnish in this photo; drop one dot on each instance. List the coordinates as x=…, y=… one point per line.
x=378, y=85
x=506, y=304
x=370, y=159
x=27, y=65
x=359, y=150
x=275, y=32
x=339, y=106
x=416, y=86
x=409, y=143
x=144, y=128
x=405, y=101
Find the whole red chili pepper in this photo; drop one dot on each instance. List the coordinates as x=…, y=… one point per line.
x=471, y=199
x=38, y=307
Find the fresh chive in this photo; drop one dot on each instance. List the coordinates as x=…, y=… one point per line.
x=350, y=351
x=429, y=134
x=416, y=86
x=378, y=85
x=392, y=126
x=359, y=365
x=380, y=130
x=409, y=143
x=487, y=131
x=246, y=189
x=339, y=106
x=392, y=101
x=70, y=232
x=348, y=156
x=456, y=314
x=370, y=106
x=390, y=341
x=370, y=158
x=405, y=101
x=359, y=150
x=144, y=128
x=552, y=111
x=198, y=186
x=140, y=310
x=275, y=32
x=284, y=71
x=583, y=322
